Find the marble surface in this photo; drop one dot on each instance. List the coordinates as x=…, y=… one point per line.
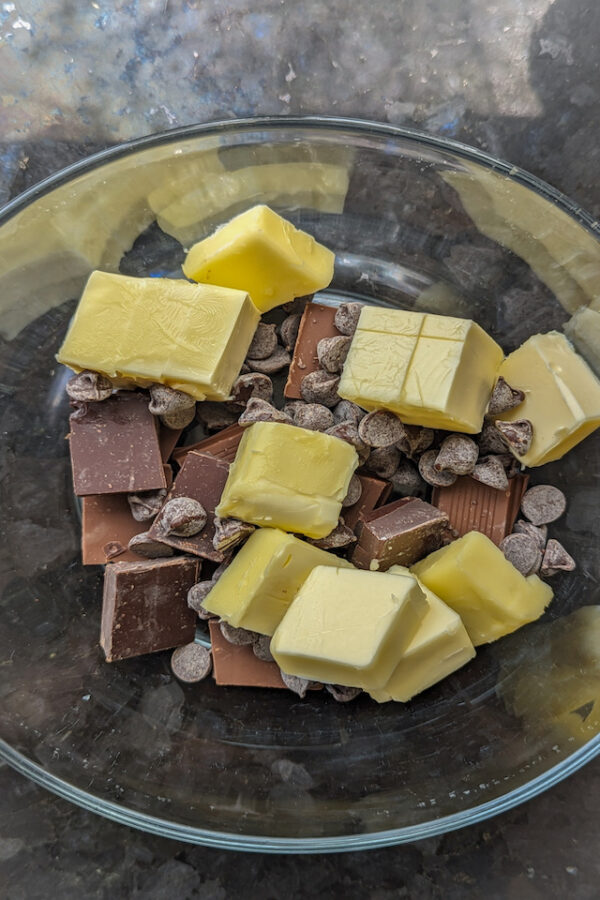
x=518, y=78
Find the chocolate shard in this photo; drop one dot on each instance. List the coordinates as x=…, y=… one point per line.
x=202, y=478
x=317, y=322
x=114, y=447
x=374, y=492
x=399, y=533
x=237, y=665
x=144, y=606
x=106, y=522
x=222, y=445
x=473, y=506
x=167, y=440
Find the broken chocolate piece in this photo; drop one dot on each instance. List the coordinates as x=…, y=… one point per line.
x=223, y=445
x=114, y=447
x=523, y=552
x=503, y=398
x=517, y=435
x=458, y=454
x=238, y=666
x=167, y=440
x=144, y=607
x=543, y=503
x=400, y=533
x=191, y=663
x=106, y=522
x=556, y=559
x=202, y=477
x=473, y=506
x=373, y=494
x=317, y=322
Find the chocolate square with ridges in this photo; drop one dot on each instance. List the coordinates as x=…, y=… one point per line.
x=317, y=322
x=473, y=506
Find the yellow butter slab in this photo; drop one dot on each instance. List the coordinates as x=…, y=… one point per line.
x=436, y=371
x=349, y=626
x=562, y=395
x=440, y=646
x=473, y=577
x=256, y=589
x=263, y=254
x=142, y=330
x=289, y=478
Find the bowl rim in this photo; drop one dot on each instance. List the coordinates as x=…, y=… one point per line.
x=306, y=845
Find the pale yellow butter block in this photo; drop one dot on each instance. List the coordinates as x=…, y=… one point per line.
x=436, y=371
x=349, y=626
x=562, y=395
x=263, y=254
x=440, y=647
x=192, y=337
x=473, y=577
x=256, y=589
x=289, y=478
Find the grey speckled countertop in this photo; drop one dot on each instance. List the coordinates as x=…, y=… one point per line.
x=518, y=78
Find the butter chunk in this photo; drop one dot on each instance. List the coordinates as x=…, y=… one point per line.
x=289, y=478
x=192, y=337
x=436, y=371
x=256, y=589
x=263, y=254
x=349, y=627
x=473, y=577
x=562, y=395
x=440, y=647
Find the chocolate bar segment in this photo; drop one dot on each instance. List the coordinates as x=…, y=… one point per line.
x=114, y=447
x=167, y=440
x=317, y=322
x=106, y=526
x=238, y=666
x=144, y=606
x=223, y=445
x=473, y=506
x=375, y=492
x=400, y=533
x=202, y=477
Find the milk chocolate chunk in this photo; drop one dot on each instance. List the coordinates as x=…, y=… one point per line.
x=106, y=526
x=114, y=447
x=374, y=492
x=202, y=478
x=144, y=607
x=400, y=533
x=167, y=440
x=317, y=323
x=222, y=445
x=474, y=506
x=238, y=666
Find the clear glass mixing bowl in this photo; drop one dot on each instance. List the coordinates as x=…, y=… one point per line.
x=416, y=222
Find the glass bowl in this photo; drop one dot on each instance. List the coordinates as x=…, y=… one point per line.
x=416, y=222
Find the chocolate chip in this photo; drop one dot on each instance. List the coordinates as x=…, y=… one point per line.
x=255, y=384
x=458, y=454
x=491, y=441
x=320, y=387
x=146, y=546
x=523, y=552
x=347, y=431
x=196, y=596
x=346, y=411
x=543, y=503
x=261, y=647
x=230, y=532
x=261, y=411
x=354, y=492
x=416, y=440
x=182, y=517
x=277, y=361
x=288, y=331
x=381, y=429
x=517, y=435
x=113, y=549
x=241, y=637
x=511, y=464
x=489, y=470
x=263, y=343
x=313, y=416
x=297, y=305
x=215, y=416
x=89, y=387
x=175, y=408
x=341, y=693
x=297, y=685
x=538, y=533
x=291, y=406
x=341, y=536
x=406, y=480
x=332, y=353
x=503, y=398
x=430, y=474
x=146, y=504
x=347, y=316
x=556, y=559
x=179, y=419
x=191, y=663
x=383, y=461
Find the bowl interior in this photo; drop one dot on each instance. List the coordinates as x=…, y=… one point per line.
x=416, y=224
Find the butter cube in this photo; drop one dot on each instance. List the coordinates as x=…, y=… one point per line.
x=436, y=371
x=263, y=254
x=255, y=591
x=440, y=647
x=348, y=626
x=562, y=395
x=289, y=478
x=473, y=577
x=191, y=337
